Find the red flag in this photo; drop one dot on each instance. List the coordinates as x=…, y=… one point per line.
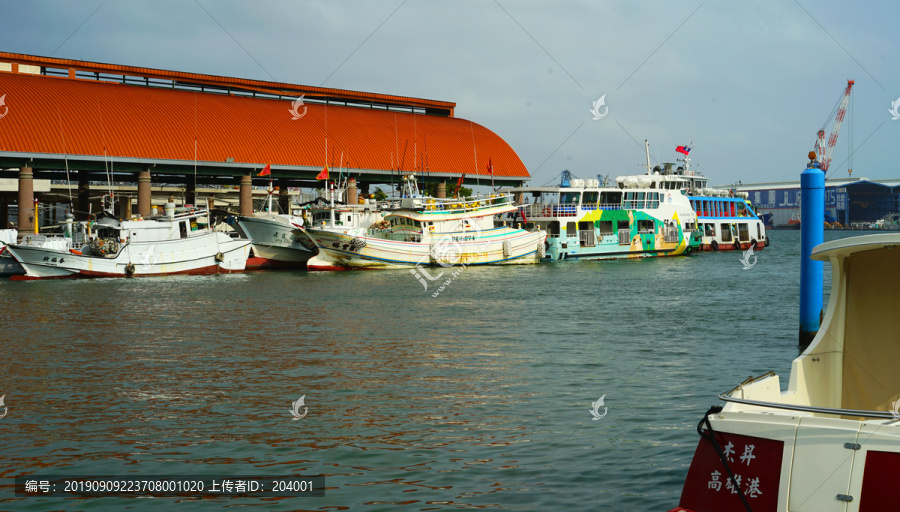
x=267, y=170
x=459, y=183
x=490, y=167
x=323, y=175
x=683, y=150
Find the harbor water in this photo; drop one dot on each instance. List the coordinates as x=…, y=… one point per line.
x=476, y=395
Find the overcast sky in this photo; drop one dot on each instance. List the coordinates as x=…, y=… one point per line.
x=748, y=82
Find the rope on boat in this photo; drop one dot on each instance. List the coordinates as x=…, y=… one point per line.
x=710, y=435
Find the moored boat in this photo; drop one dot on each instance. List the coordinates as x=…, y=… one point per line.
x=831, y=440
x=277, y=240
x=643, y=216
x=426, y=232
x=175, y=243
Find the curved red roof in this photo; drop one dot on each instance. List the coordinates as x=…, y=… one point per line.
x=75, y=116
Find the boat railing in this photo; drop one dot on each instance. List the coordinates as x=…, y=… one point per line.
x=625, y=236
x=671, y=235
x=458, y=205
x=808, y=408
x=387, y=234
x=602, y=206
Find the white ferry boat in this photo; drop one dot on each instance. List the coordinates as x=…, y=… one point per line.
x=725, y=219
x=642, y=216
x=175, y=243
x=428, y=231
x=830, y=441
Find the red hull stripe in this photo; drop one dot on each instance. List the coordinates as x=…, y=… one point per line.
x=212, y=269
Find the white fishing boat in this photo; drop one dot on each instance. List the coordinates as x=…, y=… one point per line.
x=429, y=231
x=8, y=265
x=175, y=243
x=276, y=240
x=830, y=441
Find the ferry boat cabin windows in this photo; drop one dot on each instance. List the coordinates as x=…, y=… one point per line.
x=622, y=224
x=645, y=226
x=726, y=233
x=605, y=227
x=590, y=200
x=709, y=229
x=183, y=228
x=569, y=198
x=610, y=200
x=744, y=231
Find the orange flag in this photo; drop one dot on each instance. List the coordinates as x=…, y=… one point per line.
x=267, y=170
x=323, y=175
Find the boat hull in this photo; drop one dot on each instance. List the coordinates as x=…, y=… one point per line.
x=499, y=246
x=277, y=243
x=209, y=253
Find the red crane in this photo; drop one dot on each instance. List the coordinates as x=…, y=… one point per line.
x=822, y=150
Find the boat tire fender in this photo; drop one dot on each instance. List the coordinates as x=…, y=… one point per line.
x=753, y=243
x=737, y=245
x=220, y=257
x=715, y=245
x=129, y=269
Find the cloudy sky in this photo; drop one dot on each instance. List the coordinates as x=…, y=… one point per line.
x=748, y=82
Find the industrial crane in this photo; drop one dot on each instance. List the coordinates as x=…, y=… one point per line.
x=822, y=150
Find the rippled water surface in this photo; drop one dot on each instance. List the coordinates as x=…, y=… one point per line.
x=477, y=398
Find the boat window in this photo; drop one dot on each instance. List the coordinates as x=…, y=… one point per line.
x=758, y=231
x=623, y=224
x=744, y=232
x=611, y=198
x=571, y=229
x=742, y=209
x=726, y=233
x=605, y=227
x=645, y=226
x=590, y=198
x=183, y=228
x=710, y=229
x=553, y=228
x=570, y=198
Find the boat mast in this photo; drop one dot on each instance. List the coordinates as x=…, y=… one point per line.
x=647, y=150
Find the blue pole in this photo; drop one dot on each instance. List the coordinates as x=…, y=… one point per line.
x=812, y=232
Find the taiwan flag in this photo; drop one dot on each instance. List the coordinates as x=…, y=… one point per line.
x=683, y=150
x=267, y=170
x=323, y=175
x=490, y=167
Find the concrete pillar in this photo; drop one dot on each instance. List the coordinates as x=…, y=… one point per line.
x=352, y=195
x=26, y=200
x=246, y=196
x=84, y=196
x=284, y=197
x=125, y=207
x=144, y=197
x=442, y=190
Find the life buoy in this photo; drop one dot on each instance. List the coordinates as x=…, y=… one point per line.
x=220, y=257
x=714, y=245
x=129, y=269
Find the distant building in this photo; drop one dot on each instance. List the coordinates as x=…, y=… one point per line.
x=849, y=201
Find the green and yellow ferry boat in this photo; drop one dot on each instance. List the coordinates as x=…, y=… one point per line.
x=641, y=216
